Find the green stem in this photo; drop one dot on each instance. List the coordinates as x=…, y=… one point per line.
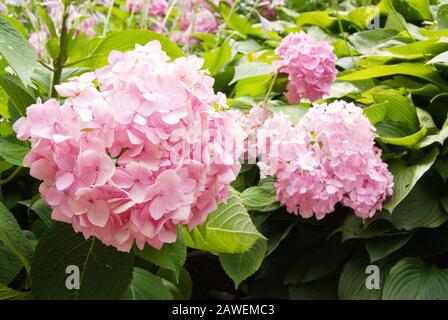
x=62, y=57
x=341, y=30
x=271, y=86
x=109, y=14
x=11, y=176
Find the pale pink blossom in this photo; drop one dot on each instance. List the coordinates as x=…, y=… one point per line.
x=310, y=64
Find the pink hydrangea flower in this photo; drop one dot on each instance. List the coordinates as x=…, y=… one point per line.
x=155, y=7
x=38, y=40
x=145, y=152
x=251, y=122
x=310, y=64
x=327, y=158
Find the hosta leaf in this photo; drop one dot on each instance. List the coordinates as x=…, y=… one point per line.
x=422, y=207
x=239, y=266
x=12, y=152
x=172, y=256
x=19, y=53
x=20, y=97
x=352, y=281
x=405, y=177
x=146, y=286
x=235, y=21
x=412, y=279
x=380, y=247
x=228, y=229
x=414, y=69
x=12, y=237
x=215, y=59
x=104, y=272
x=442, y=16
x=251, y=69
x=10, y=264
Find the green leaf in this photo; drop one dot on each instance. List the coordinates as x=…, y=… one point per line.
x=254, y=86
x=146, y=286
x=422, y=207
x=19, y=53
x=442, y=16
x=405, y=177
x=414, y=10
x=13, y=237
x=379, y=248
x=104, y=272
x=183, y=282
x=10, y=264
x=236, y=22
x=260, y=198
x=121, y=41
x=369, y=41
x=414, y=69
x=352, y=281
x=172, y=256
x=295, y=112
x=20, y=97
x=215, y=59
x=252, y=69
x=440, y=59
x=228, y=229
x=10, y=294
x=12, y=152
x=412, y=279
x=316, y=18
x=239, y=266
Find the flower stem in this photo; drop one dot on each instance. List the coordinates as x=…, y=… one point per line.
x=11, y=176
x=62, y=56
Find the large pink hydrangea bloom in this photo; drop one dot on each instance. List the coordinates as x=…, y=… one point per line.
x=144, y=153
x=310, y=64
x=328, y=157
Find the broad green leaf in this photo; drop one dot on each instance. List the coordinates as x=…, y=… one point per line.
x=16, y=24
x=10, y=294
x=146, y=286
x=228, y=229
x=19, y=53
x=316, y=18
x=172, y=256
x=414, y=10
x=442, y=16
x=10, y=264
x=352, y=281
x=215, y=59
x=251, y=69
x=421, y=48
x=12, y=152
x=236, y=22
x=422, y=207
x=239, y=266
x=440, y=59
x=399, y=108
x=438, y=137
x=295, y=112
x=124, y=41
x=254, y=86
x=104, y=272
x=412, y=279
x=381, y=247
x=370, y=41
x=405, y=177
x=12, y=237
x=414, y=69
x=183, y=282
x=20, y=97
x=260, y=198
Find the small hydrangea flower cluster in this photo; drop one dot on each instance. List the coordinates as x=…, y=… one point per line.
x=328, y=157
x=310, y=64
x=144, y=153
